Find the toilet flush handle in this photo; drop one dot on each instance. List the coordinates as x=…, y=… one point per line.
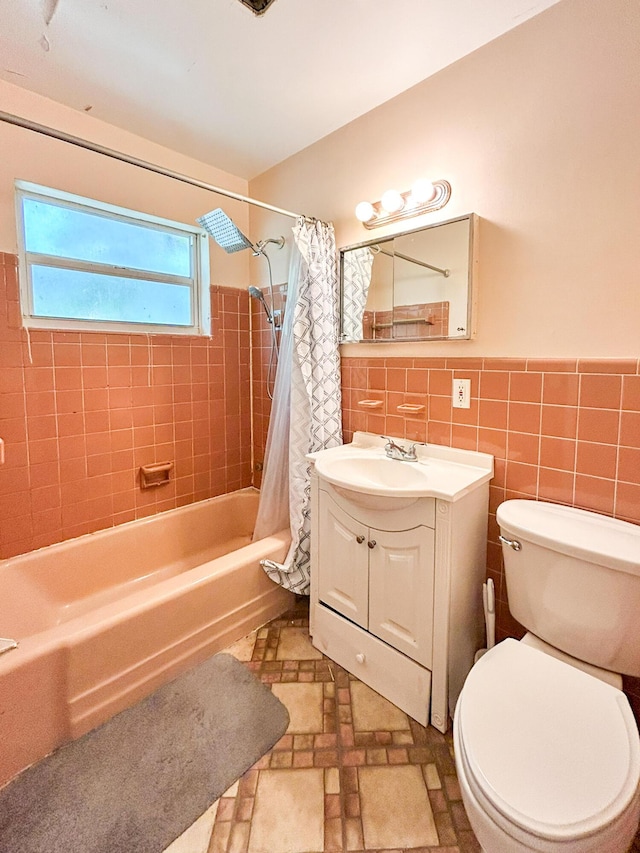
x=512, y=543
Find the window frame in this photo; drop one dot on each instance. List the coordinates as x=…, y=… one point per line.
x=198, y=283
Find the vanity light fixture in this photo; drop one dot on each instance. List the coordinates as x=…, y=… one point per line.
x=423, y=197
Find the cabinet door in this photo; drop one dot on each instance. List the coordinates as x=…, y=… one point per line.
x=343, y=562
x=401, y=591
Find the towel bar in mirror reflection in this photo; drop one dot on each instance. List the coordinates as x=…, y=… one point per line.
x=418, y=285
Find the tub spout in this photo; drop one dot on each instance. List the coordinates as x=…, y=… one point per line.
x=7, y=645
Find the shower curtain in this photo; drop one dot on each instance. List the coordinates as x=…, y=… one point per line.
x=306, y=414
x=357, y=278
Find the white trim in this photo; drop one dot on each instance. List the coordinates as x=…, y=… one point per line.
x=198, y=284
x=136, y=216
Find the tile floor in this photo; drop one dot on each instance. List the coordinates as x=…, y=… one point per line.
x=352, y=772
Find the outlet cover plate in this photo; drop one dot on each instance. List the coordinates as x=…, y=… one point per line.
x=461, y=393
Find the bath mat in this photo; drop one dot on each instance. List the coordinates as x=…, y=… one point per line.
x=137, y=782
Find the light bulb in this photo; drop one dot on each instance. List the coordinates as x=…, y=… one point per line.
x=392, y=201
x=365, y=211
x=422, y=191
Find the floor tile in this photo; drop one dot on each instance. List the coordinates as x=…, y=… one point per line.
x=288, y=816
x=233, y=790
x=395, y=808
x=304, y=704
x=195, y=839
x=243, y=649
x=295, y=644
x=332, y=780
x=432, y=777
x=372, y=712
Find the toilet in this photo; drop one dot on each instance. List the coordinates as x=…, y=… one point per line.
x=546, y=746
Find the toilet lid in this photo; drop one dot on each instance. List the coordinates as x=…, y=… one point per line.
x=554, y=750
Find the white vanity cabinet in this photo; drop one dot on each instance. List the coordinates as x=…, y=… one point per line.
x=378, y=576
x=396, y=581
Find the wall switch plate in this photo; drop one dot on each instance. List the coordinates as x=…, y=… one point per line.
x=461, y=393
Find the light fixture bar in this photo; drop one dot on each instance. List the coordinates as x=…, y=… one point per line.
x=258, y=7
x=441, y=195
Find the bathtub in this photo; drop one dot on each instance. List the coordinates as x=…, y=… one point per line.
x=105, y=619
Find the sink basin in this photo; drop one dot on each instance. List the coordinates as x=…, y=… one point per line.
x=375, y=473
x=362, y=473
x=375, y=480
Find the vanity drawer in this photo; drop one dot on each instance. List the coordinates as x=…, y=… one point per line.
x=396, y=677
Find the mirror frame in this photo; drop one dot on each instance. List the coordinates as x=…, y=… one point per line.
x=471, y=282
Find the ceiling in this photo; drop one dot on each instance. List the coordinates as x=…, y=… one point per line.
x=212, y=80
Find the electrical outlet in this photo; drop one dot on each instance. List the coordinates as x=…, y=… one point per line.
x=461, y=393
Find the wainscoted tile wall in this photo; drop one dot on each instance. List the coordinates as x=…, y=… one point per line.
x=563, y=430
x=80, y=413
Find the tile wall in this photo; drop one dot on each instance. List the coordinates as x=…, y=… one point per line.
x=430, y=320
x=563, y=430
x=80, y=413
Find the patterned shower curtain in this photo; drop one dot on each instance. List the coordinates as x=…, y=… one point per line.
x=306, y=414
x=357, y=278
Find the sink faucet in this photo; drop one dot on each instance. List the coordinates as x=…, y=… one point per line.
x=395, y=451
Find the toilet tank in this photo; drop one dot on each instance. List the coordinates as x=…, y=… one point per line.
x=575, y=580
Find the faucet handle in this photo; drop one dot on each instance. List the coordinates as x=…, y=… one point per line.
x=390, y=441
x=412, y=448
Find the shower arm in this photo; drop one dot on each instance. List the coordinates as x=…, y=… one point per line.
x=53, y=133
x=260, y=245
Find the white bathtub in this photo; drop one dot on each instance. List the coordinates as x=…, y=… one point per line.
x=104, y=619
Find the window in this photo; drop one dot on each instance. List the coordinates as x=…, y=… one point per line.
x=91, y=266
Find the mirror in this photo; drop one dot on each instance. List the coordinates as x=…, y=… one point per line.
x=415, y=286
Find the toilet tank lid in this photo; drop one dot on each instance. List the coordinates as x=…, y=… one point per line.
x=575, y=532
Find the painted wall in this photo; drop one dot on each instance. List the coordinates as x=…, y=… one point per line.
x=538, y=134
x=31, y=157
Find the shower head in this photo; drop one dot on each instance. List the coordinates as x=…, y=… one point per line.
x=229, y=237
x=256, y=293
x=226, y=234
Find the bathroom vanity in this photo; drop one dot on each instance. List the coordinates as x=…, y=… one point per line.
x=398, y=560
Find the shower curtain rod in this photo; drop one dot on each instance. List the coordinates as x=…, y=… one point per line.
x=18, y=121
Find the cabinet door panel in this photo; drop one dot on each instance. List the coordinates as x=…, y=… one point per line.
x=401, y=591
x=343, y=582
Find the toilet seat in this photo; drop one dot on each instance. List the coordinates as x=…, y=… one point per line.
x=551, y=751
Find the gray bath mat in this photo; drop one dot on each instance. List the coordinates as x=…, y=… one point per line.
x=137, y=782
